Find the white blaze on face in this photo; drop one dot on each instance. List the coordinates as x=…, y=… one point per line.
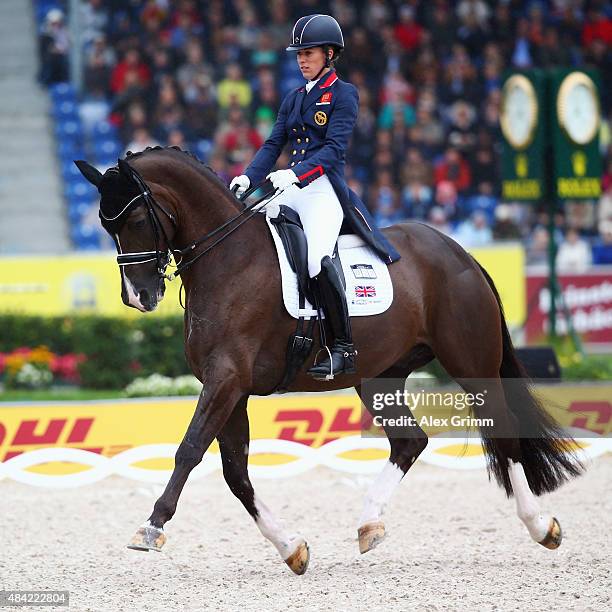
x=133, y=298
x=380, y=492
x=286, y=544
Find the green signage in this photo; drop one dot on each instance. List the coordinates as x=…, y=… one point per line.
x=574, y=99
x=550, y=121
x=523, y=126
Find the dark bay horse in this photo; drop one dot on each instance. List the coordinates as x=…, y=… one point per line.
x=236, y=328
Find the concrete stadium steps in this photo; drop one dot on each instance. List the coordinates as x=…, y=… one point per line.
x=32, y=210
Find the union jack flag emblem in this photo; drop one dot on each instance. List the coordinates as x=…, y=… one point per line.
x=365, y=291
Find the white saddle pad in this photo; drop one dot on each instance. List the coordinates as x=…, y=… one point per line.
x=369, y=290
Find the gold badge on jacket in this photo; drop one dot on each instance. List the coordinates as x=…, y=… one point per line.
x=320, y=118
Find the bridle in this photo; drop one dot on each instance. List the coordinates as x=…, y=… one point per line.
x=161, y=257
x=258, y=193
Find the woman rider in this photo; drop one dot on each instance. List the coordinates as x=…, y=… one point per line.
x=317, y=120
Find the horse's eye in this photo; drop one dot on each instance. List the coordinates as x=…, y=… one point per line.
x=136, y=225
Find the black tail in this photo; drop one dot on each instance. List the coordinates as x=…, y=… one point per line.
x=547, y=452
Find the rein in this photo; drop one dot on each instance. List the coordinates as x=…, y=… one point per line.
x=242, y=216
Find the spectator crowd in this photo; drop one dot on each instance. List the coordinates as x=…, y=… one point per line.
x=209, y=75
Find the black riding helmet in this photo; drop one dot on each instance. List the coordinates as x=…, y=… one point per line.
x=317, y=31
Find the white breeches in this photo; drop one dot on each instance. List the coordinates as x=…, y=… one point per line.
x=321, y=215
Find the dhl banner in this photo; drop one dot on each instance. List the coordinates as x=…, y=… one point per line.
x=90, y=283
x=68, y=444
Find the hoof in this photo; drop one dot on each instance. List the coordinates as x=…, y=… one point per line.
x=370, y=536
x=298, y=561
x=148, y=538
x=554, y=536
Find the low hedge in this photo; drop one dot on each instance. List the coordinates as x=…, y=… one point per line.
x=117, y=350
x=591, y=367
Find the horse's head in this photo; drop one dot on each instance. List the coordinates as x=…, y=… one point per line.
x=142, y=230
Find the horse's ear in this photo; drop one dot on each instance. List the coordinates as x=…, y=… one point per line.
x=93, y=175
x=125, y=169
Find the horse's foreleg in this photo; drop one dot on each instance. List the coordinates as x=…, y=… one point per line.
x=216, y=402
x=234, y=444
x=404, y=452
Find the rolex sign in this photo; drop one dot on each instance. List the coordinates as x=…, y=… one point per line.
x=523, y=127
x=575, y=134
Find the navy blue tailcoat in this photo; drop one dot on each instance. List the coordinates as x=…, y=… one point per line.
x=318, y=125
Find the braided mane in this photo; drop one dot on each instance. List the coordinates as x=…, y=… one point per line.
x=129, y=156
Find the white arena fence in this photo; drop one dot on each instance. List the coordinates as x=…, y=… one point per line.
x=98, y=467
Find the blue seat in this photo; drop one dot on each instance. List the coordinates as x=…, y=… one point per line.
x=61, y=92
x=69, y=128
x=78, y=209
x=70, y=171
x=69, y=149
x=108, y=147
x=81, y=189
x=65, y=110
x=104, y=130
x=85, y=237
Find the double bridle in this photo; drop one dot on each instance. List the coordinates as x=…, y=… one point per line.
x=162, y=257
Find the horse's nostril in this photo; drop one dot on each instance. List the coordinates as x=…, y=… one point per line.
x=144, y=297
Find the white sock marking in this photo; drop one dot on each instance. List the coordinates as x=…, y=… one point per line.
x=286, y=544
x=380, y=492
x=527, y=507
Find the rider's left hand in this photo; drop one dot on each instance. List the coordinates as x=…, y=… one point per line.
x=281, y=179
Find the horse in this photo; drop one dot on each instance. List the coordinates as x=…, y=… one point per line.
x=164, y=201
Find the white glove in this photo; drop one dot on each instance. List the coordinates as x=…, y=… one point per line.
x=243, y=182
x=281, y=179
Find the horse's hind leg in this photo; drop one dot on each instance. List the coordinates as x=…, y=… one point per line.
x=404, y=452
x=234, y=444
x=477, y=367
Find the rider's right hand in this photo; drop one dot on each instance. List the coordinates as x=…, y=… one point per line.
x=243, y=182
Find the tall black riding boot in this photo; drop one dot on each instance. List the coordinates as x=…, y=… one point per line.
x=333, y=302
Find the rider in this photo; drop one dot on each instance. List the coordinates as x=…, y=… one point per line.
x=317, y=120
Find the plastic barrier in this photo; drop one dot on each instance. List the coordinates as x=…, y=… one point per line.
x=441, y=452
x=59, y=444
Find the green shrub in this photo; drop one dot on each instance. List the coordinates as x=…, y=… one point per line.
x=592, y=367
x=166, y=335
x=106, y=342
x=117, y=349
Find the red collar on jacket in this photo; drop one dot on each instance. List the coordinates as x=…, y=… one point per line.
x=332, y=77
